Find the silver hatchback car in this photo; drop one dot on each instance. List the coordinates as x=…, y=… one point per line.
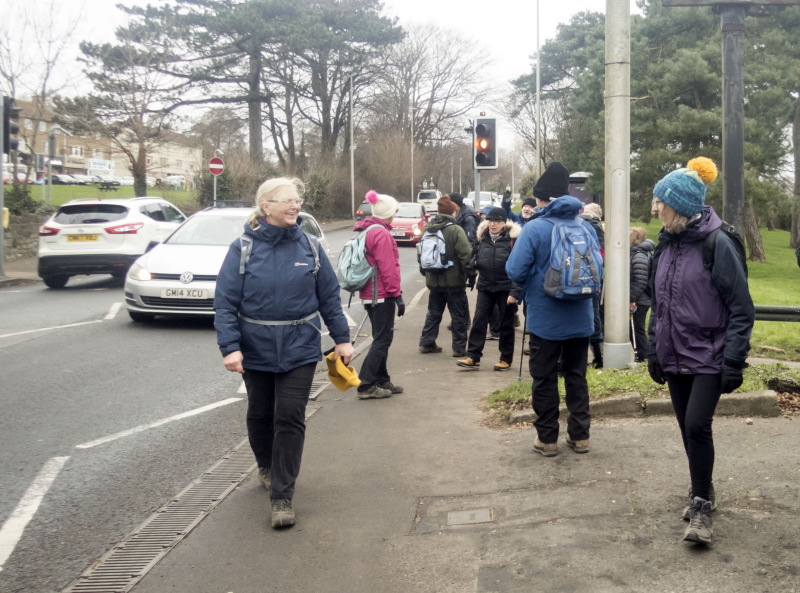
x=179, y=276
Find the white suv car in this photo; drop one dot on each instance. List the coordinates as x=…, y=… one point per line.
x=91, y=236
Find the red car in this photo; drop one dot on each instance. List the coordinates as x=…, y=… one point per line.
x=409, y=222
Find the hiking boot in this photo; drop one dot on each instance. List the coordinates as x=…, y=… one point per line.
x=493, y=336
x=391, y=387
x=699, y=530
x=282, y=513
x=502, y=366
x=546, y=449
x=468, y=363
x=712, y=498
x=264, y=477
x=430, y=349
x=457, y=353
x=578, y=446
x=374, y=392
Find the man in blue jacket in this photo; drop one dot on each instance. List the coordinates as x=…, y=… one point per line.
x=558, y=328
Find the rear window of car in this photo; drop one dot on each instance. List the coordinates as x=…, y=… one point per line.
x=90, y=213
x=365, y=207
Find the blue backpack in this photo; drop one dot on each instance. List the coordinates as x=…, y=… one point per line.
x=576, y=265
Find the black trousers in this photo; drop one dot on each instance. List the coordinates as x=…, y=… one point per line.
x=487, y=303
x=543, y=363
x=276, y=422
x=373, y=369
x=639, y=334
x=456, y=302
x=695, y=399
x=597, y=336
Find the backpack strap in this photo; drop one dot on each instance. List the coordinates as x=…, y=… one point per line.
x=246, y=244
x=314, y=242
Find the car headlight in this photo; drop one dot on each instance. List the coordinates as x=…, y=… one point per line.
x=415, y=228
x=139, y=272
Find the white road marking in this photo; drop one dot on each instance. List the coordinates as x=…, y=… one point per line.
x=242, y=388
x=416, y=299
x=143, y=427
x=12, y=529
x=44, y=329
x=113, y=311
x=350, y=322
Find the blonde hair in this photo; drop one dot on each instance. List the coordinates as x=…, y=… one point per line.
x=638, y=234
x=594, y=209
x=266, y=192
x=674, y=222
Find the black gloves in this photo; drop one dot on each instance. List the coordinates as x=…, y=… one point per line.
x=471, y=282
x=657, y=374
x=732, y=375
x=401, y=306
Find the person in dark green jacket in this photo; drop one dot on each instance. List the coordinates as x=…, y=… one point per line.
x=448, y=287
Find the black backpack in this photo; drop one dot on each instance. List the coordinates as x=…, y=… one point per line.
x=710, y=244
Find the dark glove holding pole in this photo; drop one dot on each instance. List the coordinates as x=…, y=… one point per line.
x=732, y=375
x=401, y=306
x=471, y=282
x=657, y=374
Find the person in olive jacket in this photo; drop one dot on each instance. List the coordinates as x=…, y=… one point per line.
x=496, y=237
x=700, y=324
x=448, y=288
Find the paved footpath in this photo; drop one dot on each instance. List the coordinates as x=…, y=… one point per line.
x=386, y=486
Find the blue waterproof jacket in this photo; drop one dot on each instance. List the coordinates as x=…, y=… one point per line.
x=699, y=317
x=548, y=317
x=278, y=285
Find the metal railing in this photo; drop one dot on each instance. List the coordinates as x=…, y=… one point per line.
x=775, y=313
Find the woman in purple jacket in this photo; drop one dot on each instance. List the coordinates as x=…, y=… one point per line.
x=700, y=324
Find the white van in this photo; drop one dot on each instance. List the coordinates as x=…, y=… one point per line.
x=488, y=198
x=428, y=198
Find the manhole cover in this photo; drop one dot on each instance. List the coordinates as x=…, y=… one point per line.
x=470, y=517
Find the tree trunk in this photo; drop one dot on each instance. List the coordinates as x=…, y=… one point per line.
x=793, y=236
x=254, y=110
x=139, y=170
x=753, y=237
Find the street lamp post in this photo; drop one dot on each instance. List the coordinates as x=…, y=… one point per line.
x=459, y=173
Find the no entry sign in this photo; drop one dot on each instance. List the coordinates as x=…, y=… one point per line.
x=216, y=166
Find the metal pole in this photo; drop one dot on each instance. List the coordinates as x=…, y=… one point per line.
x=617, y=184
x=352, y=158
x=412, y=153
x=452, y=185
x=732, y=21
x=459, y=173
x=512, y=180
x=2, y=204
x=215, y=190
x=51, y=149
x=538, y=103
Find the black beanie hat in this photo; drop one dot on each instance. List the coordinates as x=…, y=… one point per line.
x=553, y=183
x=457, y=199
x=497, y=214
x=529, y=202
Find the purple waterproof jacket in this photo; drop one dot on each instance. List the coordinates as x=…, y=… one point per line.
x=699, y=317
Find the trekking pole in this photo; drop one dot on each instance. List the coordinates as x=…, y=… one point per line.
x=360, y=325
x=522, y=350
x=633, y=336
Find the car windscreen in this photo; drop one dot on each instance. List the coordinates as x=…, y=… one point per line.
x=90, y=213
x=209, y=230
x=408, y=210
x=427, y=195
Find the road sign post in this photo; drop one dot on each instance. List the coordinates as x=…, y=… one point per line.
x=216, y=167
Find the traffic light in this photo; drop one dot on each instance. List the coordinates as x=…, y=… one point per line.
x=485, y=143
x=10, y=127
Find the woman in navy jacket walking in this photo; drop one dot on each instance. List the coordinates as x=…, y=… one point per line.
x=700, y=324
x=268, y=328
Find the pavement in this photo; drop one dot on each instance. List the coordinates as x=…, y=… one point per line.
x=415, y=494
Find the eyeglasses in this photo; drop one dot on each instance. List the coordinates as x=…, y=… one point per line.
x=289, y=202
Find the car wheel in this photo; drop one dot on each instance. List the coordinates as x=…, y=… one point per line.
x=55, y=281
x=140, y=317
x=119, y=274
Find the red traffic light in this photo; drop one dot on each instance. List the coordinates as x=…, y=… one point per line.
x=485, y=146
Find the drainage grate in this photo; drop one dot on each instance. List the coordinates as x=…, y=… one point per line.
x=318, y=387
x=124, y=566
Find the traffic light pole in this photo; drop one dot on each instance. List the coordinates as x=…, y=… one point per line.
x=2, y=206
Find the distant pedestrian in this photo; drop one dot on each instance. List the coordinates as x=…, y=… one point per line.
x=381, y=250
x=593, y=214
x=700, y=325
x=641, y=253
x=448, y=288
x=558, y=328
x=465, y=217
x=529, y=206
x=496, y=236
x=268, y=326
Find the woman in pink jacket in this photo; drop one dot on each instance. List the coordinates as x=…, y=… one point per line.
x=381, y=252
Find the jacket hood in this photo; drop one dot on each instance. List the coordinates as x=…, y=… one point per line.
x=370, y=220
x=439, y=221
x=511, y=228
x=270, y=233
x=646, y=245
x=563, y=207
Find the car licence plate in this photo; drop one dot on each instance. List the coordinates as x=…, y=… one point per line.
x=81, y=238
x=398, y=233
x=184, y=293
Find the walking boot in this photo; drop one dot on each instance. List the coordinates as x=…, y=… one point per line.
x=578, y=446
x=395, y=389
x=546, y=449
x=469, y=363
x=282, y=513
x=712, y=498
x=699, y=530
